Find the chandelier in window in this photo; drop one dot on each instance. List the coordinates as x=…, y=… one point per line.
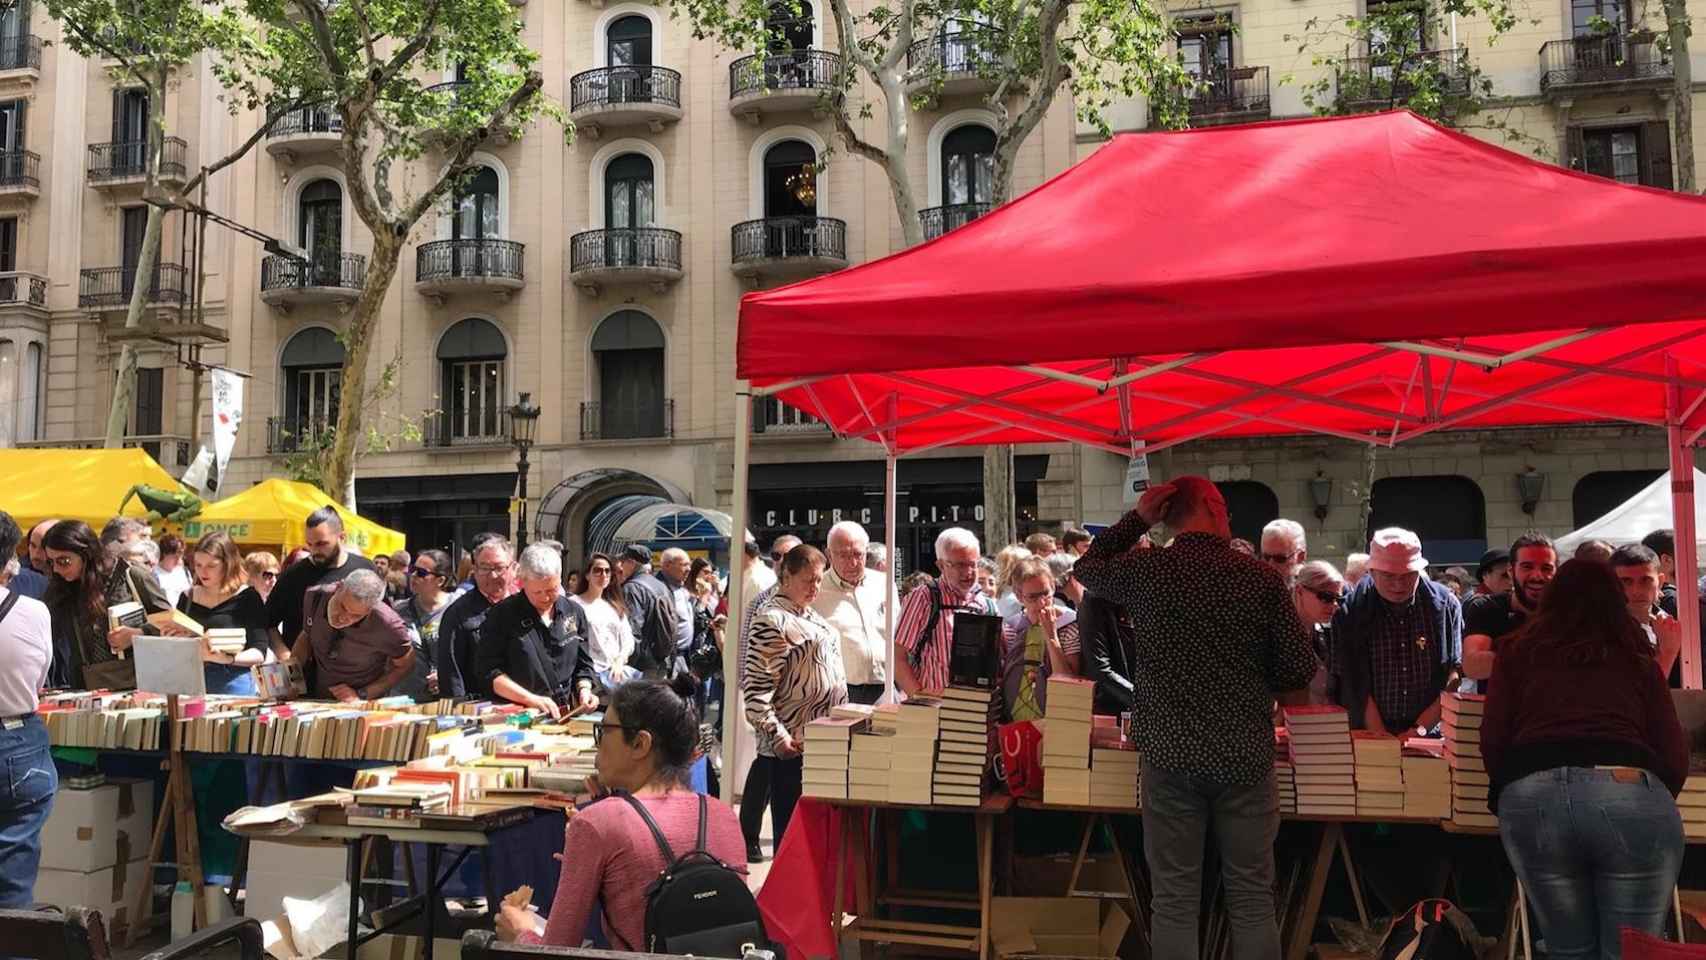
x=803, y=185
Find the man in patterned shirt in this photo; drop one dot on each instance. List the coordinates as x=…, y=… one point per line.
x=1218, y=639
x=957, y=553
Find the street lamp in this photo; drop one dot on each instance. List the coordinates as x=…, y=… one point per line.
x=1530, y=485
x=523, y=421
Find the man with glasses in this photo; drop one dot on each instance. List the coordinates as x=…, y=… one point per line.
x=1488, y=620
x=328, y=562
x=1398, y=640
x=533, y=646
x=854, y=598
x=1284, y=546
x=925, y=631
x=494, y=580
x=358, y=647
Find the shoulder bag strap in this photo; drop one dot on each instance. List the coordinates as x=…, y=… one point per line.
x=12, y=600
x=640, y=808
x=704, y=815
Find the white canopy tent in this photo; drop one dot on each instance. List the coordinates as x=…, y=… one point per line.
x=1651, y=509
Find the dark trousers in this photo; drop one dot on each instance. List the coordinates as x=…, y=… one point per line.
x=864, y=692
x=754, y=800
x=786, y=782
x=27, y=784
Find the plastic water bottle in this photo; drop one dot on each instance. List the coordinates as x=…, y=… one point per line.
x=183, y=910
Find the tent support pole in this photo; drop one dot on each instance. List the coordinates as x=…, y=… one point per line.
x=733, y=706
x=1682, y=500
x=890, y=516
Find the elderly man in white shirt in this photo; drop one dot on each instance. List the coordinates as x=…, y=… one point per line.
x=26, y=652
x=852, y=599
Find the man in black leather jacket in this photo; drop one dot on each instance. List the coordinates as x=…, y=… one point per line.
x=1109, y=642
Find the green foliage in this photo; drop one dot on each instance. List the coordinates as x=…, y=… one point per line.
x=311, y=450
x=145, y=39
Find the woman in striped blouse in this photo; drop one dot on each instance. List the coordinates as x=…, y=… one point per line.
x=793, y=675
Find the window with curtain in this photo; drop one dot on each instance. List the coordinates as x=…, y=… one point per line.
x=471, y=356
x=320, y=218
x=312, y=366
x=968, y=165
x=476, y=208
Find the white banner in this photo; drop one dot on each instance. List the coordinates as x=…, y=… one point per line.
x=227, y=417
x=199, y=475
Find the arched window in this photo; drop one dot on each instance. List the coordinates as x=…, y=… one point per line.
x=1449, y=514
x=476, y=208
x=628, y=41
x=968, y=165
x=320, y=222
x=1598, y=493
x=790, y=180
x=628, y=196
x=312, y=366
x=471, y=357
x=1249, y=505
x=627, y=351
x=790, y=29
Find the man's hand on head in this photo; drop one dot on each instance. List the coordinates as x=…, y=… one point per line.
x=1152, y=506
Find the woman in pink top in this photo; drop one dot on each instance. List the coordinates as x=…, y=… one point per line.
x=645, y=747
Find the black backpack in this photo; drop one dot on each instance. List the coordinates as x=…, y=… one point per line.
x=698, y=905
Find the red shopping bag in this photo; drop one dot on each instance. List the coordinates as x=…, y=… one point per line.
x=1019, y=764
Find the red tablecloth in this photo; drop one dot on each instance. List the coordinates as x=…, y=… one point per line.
x=798, y=894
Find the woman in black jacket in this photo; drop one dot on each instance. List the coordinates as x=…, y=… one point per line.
x=532, y=647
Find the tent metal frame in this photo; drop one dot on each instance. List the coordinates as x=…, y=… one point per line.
x=1112, y=381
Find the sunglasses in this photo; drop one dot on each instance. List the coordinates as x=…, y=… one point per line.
x=776, y=555
x=599, y=728
x=422, y=572
x=269, y=574
x=1331, y=599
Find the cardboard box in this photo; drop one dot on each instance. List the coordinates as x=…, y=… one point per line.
x=111, y=891
x=1041, y=927
x=90, y=830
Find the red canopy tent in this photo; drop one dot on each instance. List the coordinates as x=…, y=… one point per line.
x=1375, y=278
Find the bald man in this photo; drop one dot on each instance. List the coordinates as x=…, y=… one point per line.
x=32, y=580
x=673, y=568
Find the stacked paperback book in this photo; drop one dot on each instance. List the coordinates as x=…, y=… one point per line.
x=1427, y=779
x=1116, y=769
x=1379, y=773
x=827, y=743
x=227, y=640
x=1285, y=778
x=1461, y=715
x=918, y=723
x=963, y=745
x=1691, y=802
x=1322, y=761
x=1069, y=715
x=870, y=766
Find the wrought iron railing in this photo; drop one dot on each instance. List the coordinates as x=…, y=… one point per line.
x=293, y=434
x=639, y=421
x=444, y=429
x=112, y=286
x=115, y=161
x=468, y=260
x=966, y=48
x=315, y=118
x=1239, y=91
x=20, y=52
x=782, y=237
x=625, y=247
x=449, y=87
x=613, y=86
x=775, y=418
x=939, y=220
x=1391, y=78
x=344, y=270
x=1610, y=58
x=22, y=288
x=783, y=70
x=20, y=168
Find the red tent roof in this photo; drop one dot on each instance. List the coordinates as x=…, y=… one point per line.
x=1254, y=271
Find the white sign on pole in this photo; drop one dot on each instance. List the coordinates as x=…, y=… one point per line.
x=198, y=476
x=1136, y=477
x=227, y=417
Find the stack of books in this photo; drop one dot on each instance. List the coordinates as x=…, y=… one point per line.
x=1069, y=715
x=1116, y=769
x=397, y=804
x=1379, y=773
x=228, y=640
x=1324, y=766
x=1285, y=778
x=1427, y=779
x=870, y=766
x=963, y=745
x=1461, y=713
x=918, y=723
x=827, y=743
x=1691, y=802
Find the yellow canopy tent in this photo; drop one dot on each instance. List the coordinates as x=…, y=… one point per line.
x=84, y=485
x=271, y=513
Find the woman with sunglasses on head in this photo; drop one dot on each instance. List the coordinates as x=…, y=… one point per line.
x=423, y=610
x=87, y=579
x=611, y=639
x=218, y=598
x=261, y=568
x=646, y=746
x=1317, y=592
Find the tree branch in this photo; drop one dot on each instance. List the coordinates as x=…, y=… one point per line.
x=360, y=9
x=847, y=37
x=452, y=167
x=236, y=154
x=903, y=35
x=403, y=57
x=322, y=33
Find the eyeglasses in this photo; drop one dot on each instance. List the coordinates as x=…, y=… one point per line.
x=598, y=572
x=422, y=572
x=599, y=728
x=1330, y=599
x=956, y=564
x=489, y=570
x=1278, y=557
x=269, y=574
x=1035, y=597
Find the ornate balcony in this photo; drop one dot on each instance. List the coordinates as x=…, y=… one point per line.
x=631, y=255
x=306, y=131
x=23, y=296
x=1609, y=64
x=624, y=96
x=441, y=428
x=775, y=248
x=446, y=267
x=652, y=419
x=787, y=82
x=1233, y=95
x=113, y=165
x=288, y=282
x=20, y=58
x=20, y=174
x=296, y=434
x=954, y=62
x=939, y=220
x=1389, y=80
x=106, y=291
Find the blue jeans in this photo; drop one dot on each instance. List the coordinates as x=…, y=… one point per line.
x=27, y=785
x=1177, y=809
x=1594, y=854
